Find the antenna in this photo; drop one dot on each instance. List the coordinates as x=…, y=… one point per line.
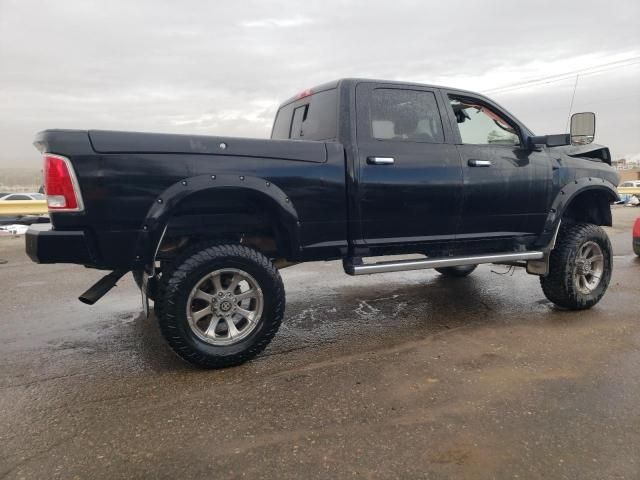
x=573, y=96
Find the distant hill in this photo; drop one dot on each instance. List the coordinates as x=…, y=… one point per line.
x=20, y=179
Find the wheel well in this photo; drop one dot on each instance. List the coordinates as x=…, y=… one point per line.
x=228, y=215
x=591, y=206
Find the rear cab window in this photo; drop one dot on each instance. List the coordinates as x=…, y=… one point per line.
x=312, y=117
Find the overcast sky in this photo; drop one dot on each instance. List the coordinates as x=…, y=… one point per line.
x=222, y=67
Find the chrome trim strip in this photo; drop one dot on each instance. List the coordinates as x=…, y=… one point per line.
x=155, y=255
x=405, y=265
x=552, y=245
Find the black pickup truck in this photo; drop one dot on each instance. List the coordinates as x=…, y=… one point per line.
x=354, y=169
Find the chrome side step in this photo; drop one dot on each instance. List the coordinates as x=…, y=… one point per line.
x=352, y=268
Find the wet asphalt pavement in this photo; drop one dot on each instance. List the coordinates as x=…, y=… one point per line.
x=404, y=375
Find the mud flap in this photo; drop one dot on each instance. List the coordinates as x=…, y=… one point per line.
x=541, y=267
x=143, y=292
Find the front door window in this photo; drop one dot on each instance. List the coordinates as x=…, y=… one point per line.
x=479, y=125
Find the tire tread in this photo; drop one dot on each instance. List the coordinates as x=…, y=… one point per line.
x=171, y=284
x=558, y=285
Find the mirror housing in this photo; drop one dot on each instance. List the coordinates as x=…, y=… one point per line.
x=583, y=128
x=550, y=140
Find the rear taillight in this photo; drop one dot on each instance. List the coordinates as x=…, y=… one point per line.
x=61, y=185
x=636, y=229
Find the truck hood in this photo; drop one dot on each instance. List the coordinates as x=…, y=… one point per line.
x=105, y=141
x=593, y=150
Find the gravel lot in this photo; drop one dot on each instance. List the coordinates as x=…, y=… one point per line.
x=404, y=375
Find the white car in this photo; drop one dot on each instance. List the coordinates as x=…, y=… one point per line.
x=630, y=184
x=22, y=196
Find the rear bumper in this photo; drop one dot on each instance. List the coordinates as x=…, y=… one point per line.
x=45, y=245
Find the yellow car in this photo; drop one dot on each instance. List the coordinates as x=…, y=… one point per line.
x=630, y=187
x=23, y=204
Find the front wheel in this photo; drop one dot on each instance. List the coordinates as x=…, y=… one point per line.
x=580, y=267
x=221, y=305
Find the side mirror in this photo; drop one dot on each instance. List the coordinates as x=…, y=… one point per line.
x=583, y=128
x=549, y=140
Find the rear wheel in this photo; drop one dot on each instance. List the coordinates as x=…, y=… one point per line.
x=221, y=305
x=459, y=271
x=580, y=267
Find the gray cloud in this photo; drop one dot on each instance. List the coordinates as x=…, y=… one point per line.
x=223, y=67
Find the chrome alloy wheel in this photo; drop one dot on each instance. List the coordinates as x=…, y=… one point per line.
x=589, y=266
x=225, y=306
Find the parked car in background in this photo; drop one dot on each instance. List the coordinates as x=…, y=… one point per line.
x=19, y=207
x=630, y=184
x=629, y=188
x=9, y=197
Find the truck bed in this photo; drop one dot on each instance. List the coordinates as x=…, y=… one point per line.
x=123, y=174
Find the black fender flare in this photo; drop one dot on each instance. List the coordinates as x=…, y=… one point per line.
x=546, y=241
x=564, y=198
x=155, y=223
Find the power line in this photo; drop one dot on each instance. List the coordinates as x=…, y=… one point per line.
x=568, y=75
x=563, y=76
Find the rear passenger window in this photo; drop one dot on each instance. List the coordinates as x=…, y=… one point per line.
x=299, y=116
x=405, y=115
x=311, y=118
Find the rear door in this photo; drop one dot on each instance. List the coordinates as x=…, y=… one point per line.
x=506, y=186
x=409, y=177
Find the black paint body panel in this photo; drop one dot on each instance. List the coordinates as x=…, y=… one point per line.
x=44, y=245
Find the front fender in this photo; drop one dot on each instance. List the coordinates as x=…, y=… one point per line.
x=546, y=241
x=564, y=198
x=154, y=225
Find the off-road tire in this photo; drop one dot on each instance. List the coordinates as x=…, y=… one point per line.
x=176, y=284
x=559, y=285
x=458, y=272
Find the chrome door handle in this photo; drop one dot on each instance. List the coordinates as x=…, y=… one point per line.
x=380, y=160
x=479, y=163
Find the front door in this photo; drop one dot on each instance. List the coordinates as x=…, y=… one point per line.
x=409, y=178
x=506, y=186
